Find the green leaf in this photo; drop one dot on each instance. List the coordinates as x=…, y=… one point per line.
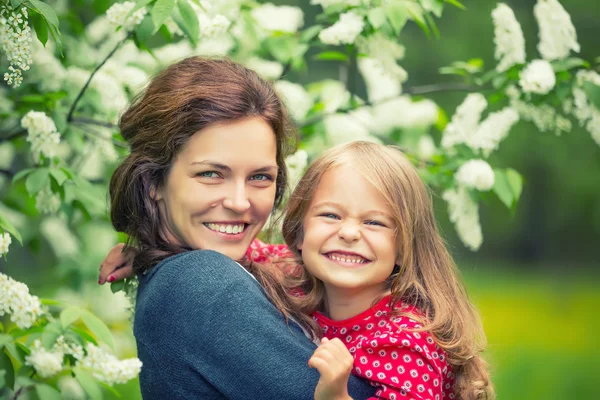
x=117, y=286
x=59, y=175
x=15, y=352
x=508, y=186
x=144, y=30
x=36, y=180
x=456, y=3
x=51, y=332
x=56, y=37
x=7, y=367
x=10, y=228
x=515, y=181
x=138, y=4
x=98, y=328
x=5, y=339
x=283, y=48
x=22, y=173
x=190, y=20
x=309, y=33
x=432, y=25
x=376, y=17
x=47, y=392
x=569, y=63
x=87, y=382
x=161, y=10
x=397, y=16
x=40, y=26
x=435, y=6
x=69, y=315
x=331, y=55
x=45, y=10
x=593, y=93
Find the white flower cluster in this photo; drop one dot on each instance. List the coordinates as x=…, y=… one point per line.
x=41, y=133
x=493, y=130
x=380, y=47
x=426, y=147
x=278, y=18
x=484, y=136
x=24, y=309
x=381, y=85
x=543, y=116
x=538, y=77
x=15, y=42
x=508, y=38
x=297, y=99
x=403, y=113
x=296, y=164
x=585, y=112
x=215, y=26
x=345, y=31
x=47, y=202
x=333, y=94
x=70, y=389
x=464, y=213
x=557, y=33
x=476, y=174
x=348, y=127
x=117, y=15
x=107, y=368
x=46, y=363
x=329, y=3
x=464, y=121
x=5, y=241
x=270, y=70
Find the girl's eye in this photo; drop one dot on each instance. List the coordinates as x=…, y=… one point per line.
x=208, y=174
x=329, y=215
x=376, y=223
x=261, y=177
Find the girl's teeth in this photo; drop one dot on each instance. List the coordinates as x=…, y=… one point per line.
x=347, y=260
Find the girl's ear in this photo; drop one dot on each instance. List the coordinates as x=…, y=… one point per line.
x=299, y=244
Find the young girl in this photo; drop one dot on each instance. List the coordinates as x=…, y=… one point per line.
x=377, y=282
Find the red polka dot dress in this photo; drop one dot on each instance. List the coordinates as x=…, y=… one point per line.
x=403, y=364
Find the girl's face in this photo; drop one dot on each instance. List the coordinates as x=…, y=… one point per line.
x=220, y=189
x=349, y=235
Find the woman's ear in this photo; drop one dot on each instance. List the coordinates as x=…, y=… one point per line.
x=155, y=193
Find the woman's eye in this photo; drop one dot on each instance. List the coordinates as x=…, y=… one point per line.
x=208, y=174
x=261, y=177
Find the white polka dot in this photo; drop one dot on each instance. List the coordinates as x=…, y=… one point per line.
x=417, y=335
x=407, y=358
x=363, y=360
x=343, y=331
x=429, y=340
x=374, y=343
x=356, y=327
x=394, y=379
x=400, y=369
x=370, y=351
x=348, y=338
x=418, y=348
x=425, y=377
x=388, y=366
x=369, y=373
x=420, y=362
x=421, y=388
x=381, y=323
x=382, y=353
x=436, y=382
x=414, y=373
x=392, y=396
x=405, y=342
x=376, y=363
x=394, y=355
x=381, y=375
x=357, y=369
x=407, y=384
x=370, y=326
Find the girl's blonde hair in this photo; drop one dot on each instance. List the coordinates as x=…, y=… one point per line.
x=426, y=277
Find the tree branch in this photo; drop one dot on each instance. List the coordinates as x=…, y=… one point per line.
x=6, y=172
x=91, y=121
x=13, y=135
x=443, y=87
x=91, y=132
x=83, y=89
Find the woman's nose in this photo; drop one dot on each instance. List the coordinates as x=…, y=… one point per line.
x=349, y=231
x=237, y=200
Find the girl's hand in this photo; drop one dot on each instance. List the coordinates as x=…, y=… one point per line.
x=117, y=265
x=334, y=362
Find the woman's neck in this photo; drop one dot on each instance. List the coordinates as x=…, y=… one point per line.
x=344, y=303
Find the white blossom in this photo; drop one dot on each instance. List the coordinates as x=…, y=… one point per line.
x=582, y=108
x=215, y=26
x=46, y=363
x=117, y=15
x=296, y=98
x=5, y=241
x=426, y=147
x=402, y=112
x=508, y=38
x=70, y=389
x=106, y=368
x=63, y=242
x=557, y=33
x=537, y=77
x=270, y=70
x=380, y=83
x=493, y=130
x=344, y=128
x=333, y=94
x=278, y=18
x=386, y=51
x=328, y=3
x=343, y=31
x=465, y=120
x=476, y=174
x=47, y=70
x=15, y=43
x=47, y=202
x=464, y=213
x=24, y=309
x=41, y=133
x=296, y=164
x=131, y=77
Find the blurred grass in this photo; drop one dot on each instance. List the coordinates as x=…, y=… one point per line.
x=541, y=331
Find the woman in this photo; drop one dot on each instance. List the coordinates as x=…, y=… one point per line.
x=208, y=140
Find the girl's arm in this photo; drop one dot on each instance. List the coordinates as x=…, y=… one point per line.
x=206, y=329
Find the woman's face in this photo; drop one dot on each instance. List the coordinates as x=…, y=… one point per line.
x=221, y=187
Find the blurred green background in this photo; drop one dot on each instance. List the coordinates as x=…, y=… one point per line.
x=534, y=280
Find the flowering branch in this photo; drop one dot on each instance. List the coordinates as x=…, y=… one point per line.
x=80, y=95
x=91, y=121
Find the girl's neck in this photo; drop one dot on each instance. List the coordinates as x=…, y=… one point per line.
x=343, y=303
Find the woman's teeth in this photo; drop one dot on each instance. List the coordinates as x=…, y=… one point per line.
x=347, y=259
x=226, y=228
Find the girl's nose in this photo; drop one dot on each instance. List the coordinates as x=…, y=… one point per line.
x=349, y=231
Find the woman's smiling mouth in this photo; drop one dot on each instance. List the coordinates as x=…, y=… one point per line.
x=228, y=228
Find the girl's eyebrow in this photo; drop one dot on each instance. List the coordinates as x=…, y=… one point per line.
x=339, y=206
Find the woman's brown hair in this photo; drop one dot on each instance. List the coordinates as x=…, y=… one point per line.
x=426, y=276
x=177, y=103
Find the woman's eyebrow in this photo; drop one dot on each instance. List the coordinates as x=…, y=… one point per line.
x=267, y=168
x=212, y=164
